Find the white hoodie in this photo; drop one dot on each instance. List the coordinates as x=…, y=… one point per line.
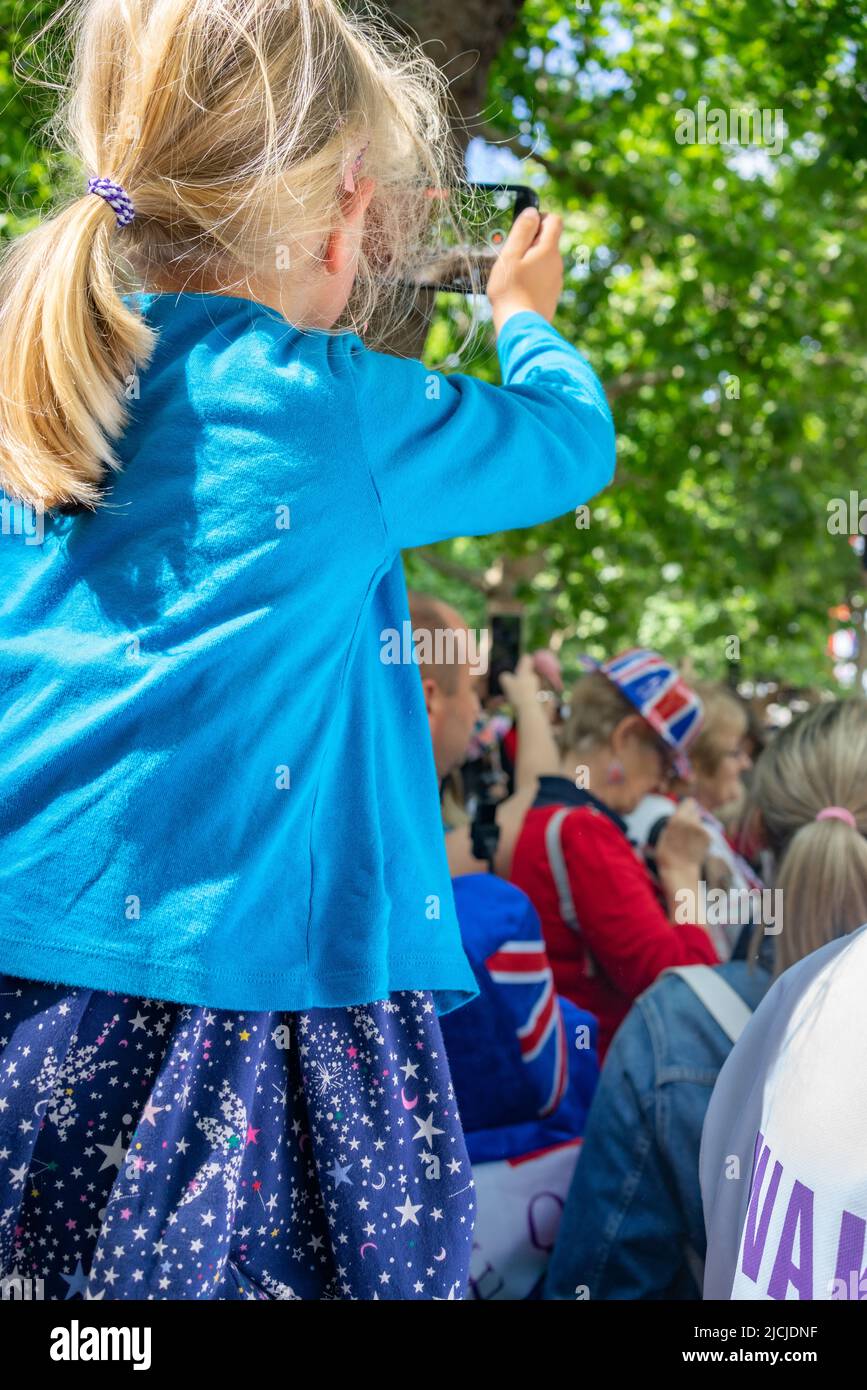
x=784, y=1146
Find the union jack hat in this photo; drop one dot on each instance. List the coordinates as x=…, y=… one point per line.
x=661, y=696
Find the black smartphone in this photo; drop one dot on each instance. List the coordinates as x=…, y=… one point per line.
x=484, y=213
x=505, y=648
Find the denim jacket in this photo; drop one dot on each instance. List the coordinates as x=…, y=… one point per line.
x=632, y=1226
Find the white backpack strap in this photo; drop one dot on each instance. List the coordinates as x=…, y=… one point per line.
x=560, y=874
x=723, y=1003
x=726, y=1007
x=557, y=865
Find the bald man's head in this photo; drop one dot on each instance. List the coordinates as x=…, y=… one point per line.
x=446, y=676
x=430, y=616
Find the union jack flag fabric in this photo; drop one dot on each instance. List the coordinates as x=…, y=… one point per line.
x=660, y=695
x=523, y=1059
x=525, y=963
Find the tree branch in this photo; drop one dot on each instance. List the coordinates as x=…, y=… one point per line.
x=451, y=569
x=633, y=381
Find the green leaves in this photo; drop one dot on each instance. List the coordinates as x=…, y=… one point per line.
x=722, y=306
x=26, y=168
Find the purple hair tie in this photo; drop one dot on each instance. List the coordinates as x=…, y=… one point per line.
x=116, y=196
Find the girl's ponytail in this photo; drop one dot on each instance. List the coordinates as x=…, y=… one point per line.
x=69, y=348
x=818, y=762
x=823, y=882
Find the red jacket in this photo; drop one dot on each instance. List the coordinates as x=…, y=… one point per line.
x=625, y=938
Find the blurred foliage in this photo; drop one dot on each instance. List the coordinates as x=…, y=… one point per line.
x=29, y=169
x=688, y=266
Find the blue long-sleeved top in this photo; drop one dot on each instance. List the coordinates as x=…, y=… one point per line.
x=214, y=787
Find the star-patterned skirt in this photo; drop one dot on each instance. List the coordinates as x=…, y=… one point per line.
x=154, y=1150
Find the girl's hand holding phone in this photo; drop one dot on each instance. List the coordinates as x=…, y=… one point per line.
x=528, y=273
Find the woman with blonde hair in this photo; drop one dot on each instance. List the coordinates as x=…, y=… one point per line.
x=719, y=756
x=783, y=1175
x=226, y=918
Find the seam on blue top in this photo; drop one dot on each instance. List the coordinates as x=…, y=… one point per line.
x=381, y=569
x=359, y=430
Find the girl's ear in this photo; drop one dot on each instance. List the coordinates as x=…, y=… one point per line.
x=342, y=245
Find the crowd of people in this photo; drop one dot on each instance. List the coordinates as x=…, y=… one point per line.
x=632, y=797
x=314, y=986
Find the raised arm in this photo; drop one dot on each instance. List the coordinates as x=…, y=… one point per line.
x=450, y=455
x=537, y=755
